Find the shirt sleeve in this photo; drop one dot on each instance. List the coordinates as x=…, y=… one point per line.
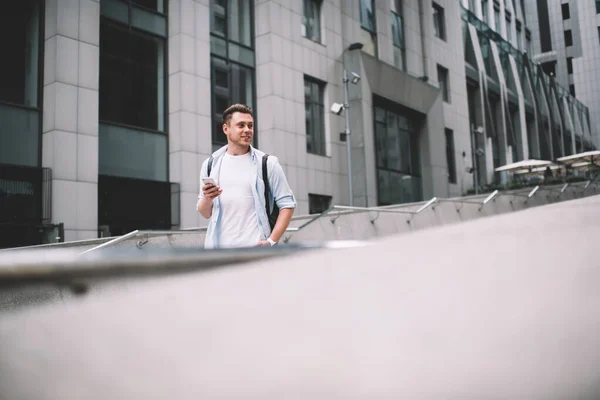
x=282, y=193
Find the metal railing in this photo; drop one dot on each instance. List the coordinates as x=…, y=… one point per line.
x=349, y=210
x=463, y=202
x=136, y=233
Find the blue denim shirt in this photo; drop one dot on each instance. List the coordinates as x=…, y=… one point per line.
x=281, y=193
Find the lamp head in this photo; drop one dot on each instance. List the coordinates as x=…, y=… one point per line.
x=355, y=78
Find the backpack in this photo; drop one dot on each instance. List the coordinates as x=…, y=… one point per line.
x=271, y=215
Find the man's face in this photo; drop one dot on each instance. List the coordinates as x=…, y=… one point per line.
x=240, y=129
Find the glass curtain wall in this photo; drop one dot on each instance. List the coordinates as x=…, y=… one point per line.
x=20, y=112
x=397, y=154
x=132, y=86
x=232, y=61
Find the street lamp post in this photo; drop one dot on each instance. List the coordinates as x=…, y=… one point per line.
x=337, y=109
x=475, y=155
x=347, y=136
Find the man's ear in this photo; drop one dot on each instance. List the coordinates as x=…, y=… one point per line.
x=225, y=129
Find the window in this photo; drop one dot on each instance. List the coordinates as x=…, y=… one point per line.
x=20, y=117
x=439, y=27
x=566, y=12
x=367, y=15
x=132, y=87
x=508, y=28
x=318, y=203
x=311, y=21
x=450, y=157
x=472, y=6
x=398, y=36
x=368, y=34
x=568, y=38
x=20, y=44
x=599, y=33
x=484, y=11
x=154, y=5
x=597, y=6
x=444, y=82
x=570, y=65
x=314, y=109
x=397, y=154
x=572, y=90
x=519, y=37
x=132, y=77
x=231, y=83
x=496, y=19
x=528, y=45
x=232, y=61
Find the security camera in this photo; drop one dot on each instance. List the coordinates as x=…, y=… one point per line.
x=479, y=152
x=355, y=78
x=479, y=129
x=337, y=108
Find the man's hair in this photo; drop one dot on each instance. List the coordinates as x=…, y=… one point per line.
x=241, y=108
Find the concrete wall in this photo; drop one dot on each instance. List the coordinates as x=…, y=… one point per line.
x=70, y=116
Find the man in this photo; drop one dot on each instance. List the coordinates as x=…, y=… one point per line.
x=235, y=205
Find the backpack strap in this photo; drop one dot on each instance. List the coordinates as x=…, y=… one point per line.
x=265, y=175
x=209, y=166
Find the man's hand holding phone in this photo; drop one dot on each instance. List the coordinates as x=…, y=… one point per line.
x=210, y=188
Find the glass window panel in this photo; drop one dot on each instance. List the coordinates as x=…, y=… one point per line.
x=19, y=41
x=405, y=151
x=149, y=21
x=239, y=13
x=115, y=9
x=218, y=46
x=241, y=85
x=132, y=77
x=318, y=203
x=392, y=143
x=439, y=27
x=241, y=55
x=218, y=18
x=155, y=5
x=384, y=188
x=381, y=143
x=315, y=117
x=311, y=20
x=379, y=114
x=131, y=153
x=367, y=15
x=19, y=136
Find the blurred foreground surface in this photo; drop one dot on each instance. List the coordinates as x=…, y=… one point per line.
x=505, y=307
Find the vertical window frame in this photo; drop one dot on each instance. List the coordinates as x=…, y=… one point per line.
x=318, y=138
x=316, y=6
x=568, y=35
x=439, y=21
x=133, y=30
x=444, y=81
x=217, y=137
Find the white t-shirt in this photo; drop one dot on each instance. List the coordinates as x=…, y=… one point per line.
x=239, y=223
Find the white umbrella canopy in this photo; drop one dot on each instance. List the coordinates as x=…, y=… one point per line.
x=536, y=171
x=524, y=166
x=592, y=157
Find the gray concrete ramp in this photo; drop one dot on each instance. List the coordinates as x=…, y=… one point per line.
x=506, y=307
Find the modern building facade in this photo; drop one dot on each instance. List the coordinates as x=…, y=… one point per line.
x=111, y=106
x=567, y=46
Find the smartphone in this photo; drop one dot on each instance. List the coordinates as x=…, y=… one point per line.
x=209, y=181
